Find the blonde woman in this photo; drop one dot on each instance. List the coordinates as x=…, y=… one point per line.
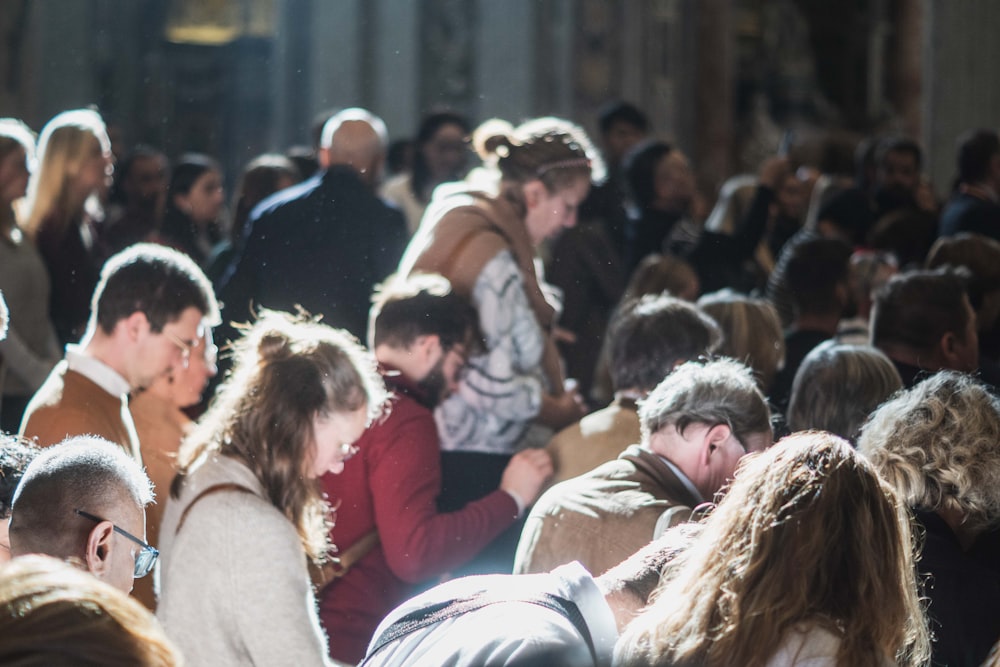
x=937, y=445
x=245, y=511
x=807, y=560
x=74, y=167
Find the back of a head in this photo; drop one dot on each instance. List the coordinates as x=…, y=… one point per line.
x=806, y=534
x=551, y=150
x=976, y=150
x=722, y=391
x=838, y=386
x=815, y=270
x=81, y=473
x=640, y=171
x=662, y=273
x=420, y=305
x=652, y=335
x=936, y=443
x=54, y=614
x=15, y=455
x=980, y=255
x=354, y=136
x=916, y=309
x=158, y=281
x=620, y=111
x=751, y=331
x=15, y=135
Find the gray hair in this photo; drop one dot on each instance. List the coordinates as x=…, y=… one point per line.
x=718, y=392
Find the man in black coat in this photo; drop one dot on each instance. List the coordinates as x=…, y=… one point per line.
x=323, y=244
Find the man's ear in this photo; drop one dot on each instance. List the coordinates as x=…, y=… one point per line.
x=134, y=326
x=425, y=346
x=99, y=547
x=323, y=157
x=716, y=436
x=949, y=350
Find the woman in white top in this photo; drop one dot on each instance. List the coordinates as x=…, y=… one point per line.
x=245, y=513
x=807, y=560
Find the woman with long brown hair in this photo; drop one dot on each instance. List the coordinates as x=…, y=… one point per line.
x=808, y=559
x=245, y=512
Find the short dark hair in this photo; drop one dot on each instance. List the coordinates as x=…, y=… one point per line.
x=975, y=150
x=918, y=308
x=404, y=309
x=652, y=335
x=620, y=111
x=899, y=145
x=15, y=455
x=814, y=270
x=155, y=280
x=640, y=170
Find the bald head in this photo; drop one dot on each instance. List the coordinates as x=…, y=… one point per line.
x=356, y=138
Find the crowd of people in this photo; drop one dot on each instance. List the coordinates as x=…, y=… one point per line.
x=515, y=401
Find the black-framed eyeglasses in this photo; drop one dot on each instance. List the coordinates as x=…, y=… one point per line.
x=147, y=555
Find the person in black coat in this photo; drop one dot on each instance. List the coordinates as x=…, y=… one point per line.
x=323, y=244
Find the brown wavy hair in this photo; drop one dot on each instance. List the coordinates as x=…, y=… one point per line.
x=288, y=369
x=807, y=536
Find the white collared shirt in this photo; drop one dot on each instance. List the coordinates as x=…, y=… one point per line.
x=96, y=371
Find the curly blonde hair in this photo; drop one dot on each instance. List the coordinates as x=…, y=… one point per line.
x=808, y=535
x=937, y=445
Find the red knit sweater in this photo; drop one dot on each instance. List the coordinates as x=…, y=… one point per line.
x=392, y=485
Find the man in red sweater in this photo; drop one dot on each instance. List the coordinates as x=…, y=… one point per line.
x=388, y=530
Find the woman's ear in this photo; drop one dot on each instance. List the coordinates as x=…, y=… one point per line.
x=534, y=192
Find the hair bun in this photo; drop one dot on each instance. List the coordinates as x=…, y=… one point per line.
x=274, y=345
x=493, y=138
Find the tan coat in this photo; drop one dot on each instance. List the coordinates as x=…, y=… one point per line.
x=603, y=517
x=597, y=438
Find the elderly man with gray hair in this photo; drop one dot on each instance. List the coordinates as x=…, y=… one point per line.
x=696, y=426
x=84, y=500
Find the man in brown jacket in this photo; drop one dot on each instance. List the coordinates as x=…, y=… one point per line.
x=696, y=425
x=150, y=308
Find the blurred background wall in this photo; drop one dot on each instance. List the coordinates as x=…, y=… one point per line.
x=724, y=79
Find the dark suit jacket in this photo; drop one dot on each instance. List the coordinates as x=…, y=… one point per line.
x=323, y=244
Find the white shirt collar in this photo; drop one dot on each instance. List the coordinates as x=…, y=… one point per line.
x=688, y=484
x=96, y=371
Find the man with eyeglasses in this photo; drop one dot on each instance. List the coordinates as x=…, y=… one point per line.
x=150, y=309
x=84, y=501
x=696, y=426
x=389, y=532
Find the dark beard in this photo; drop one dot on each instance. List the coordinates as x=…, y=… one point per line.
x=434, y=385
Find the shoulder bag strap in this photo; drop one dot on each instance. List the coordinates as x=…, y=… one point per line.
x=215, y=488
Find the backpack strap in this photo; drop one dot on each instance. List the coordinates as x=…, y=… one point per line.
x=442, y=611
x=215, y=488
x=671, y=517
